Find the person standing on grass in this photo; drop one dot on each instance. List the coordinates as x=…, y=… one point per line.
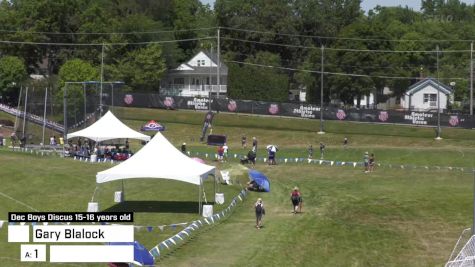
x=271, y=150
x=366, y=161
x=183, y=148
x=244, y=141
x=322, y=150
x=296, y=200
x=260, y=211
x=220, y=153
x=254, y=144
x=345, y=142
x=225, y=152
x=371, y=162
x=13, y=140
x=251, y=156
x=310, y=151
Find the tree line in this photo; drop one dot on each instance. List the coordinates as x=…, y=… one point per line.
x=270, y=47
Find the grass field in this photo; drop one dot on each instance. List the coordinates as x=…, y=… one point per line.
x=392, y=217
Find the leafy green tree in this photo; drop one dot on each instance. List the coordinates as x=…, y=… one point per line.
x=187, y=15
x=75, y=70
x=256, y=82
x=142, y=69
x=12, y=74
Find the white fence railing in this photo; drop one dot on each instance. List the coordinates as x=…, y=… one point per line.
x=32, y=117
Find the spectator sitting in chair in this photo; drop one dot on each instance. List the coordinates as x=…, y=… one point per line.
x=253, y=186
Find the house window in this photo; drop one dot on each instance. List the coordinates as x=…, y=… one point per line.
x=200, y=62
x=431, y=99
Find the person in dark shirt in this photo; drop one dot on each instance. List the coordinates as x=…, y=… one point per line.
x=310, y=151
x=251, y=156
x=260, y=211
x=183, y=148
x=371, y=163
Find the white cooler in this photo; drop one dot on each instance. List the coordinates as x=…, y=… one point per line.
x=219, y=198
x=207, y=210
x=93, y=158
x=92, y=207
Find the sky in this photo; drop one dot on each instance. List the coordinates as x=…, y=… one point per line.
x=369, y=4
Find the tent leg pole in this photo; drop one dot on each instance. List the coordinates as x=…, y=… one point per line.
x=94, y=194
x=123, y=192
x=199, y=198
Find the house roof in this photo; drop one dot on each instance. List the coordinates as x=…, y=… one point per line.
x=426, y=82
x=213, y=57
x=187, y=69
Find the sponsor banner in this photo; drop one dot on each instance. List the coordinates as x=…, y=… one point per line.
x=309, y=111
x=232, y=105
x=197, y=103
x=300, y=110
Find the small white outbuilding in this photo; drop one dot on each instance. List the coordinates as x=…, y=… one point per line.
x=422, y=96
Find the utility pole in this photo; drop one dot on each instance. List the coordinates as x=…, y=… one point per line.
x=15, y=126
x=219, y=65
x=473, y=223
x=471, y=78
x=210, y=86
x=65, y=119
x=321, y=92
x=24, y=112
x=44, y=116
x=438, y=97
x=84, y=94
x=102, y=79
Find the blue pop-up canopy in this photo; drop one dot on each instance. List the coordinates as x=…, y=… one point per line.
x=260, y=179
x=141, y=255
x=153, y=126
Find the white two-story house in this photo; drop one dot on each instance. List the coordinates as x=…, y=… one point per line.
x=422, y=96
x=197, y=77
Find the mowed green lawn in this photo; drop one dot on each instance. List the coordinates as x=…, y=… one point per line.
x=392, y=217
x=386, y=218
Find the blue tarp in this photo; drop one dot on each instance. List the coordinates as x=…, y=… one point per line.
x=260, y=179
x=141, y=255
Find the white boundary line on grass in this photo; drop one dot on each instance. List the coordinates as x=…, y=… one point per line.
x=18, y=201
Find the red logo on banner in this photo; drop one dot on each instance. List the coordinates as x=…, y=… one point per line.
x=232, y=106
x=168, y=102
x=383, y=116
x=454, y=121
x=341, y=115
x=273, y=109
x=128, y=99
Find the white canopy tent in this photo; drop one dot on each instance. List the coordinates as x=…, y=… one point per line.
x=106, y=128
x=159, y=159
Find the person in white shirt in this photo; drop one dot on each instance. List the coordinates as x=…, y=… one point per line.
x=225, y=154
